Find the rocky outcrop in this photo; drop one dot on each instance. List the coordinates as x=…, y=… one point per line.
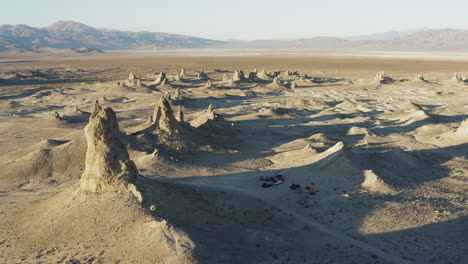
x=382, y=78
x=179, y=77
x=164, y=84
x=209, y=119
x=276, y=84
x=238, y=76
x=132, y=76
x=177, y=95
x=138, y=83
x=132, y=81
x=108, y=167
x=460, y=79
x=373, y=183
x=161, y=77
x=163, y=117
x=209, y=84
x=204, y=117
x=202, y=76
x=180, y=114
x=253, y=76
x=289, y=74
x=226, y=79
x=462, y=131
x=264, y=75
x=57, y=116
x=276, y=81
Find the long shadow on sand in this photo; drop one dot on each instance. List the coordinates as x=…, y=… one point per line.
x=392, y=127
x=249, y=217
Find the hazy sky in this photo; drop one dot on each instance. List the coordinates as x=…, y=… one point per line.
x=243, y=19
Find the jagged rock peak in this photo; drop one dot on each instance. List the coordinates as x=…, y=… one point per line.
x=178, y=77
x=382, y=78
x=202, y=76
x=238, y=76
x=180, y=114
x=226, y=79
x=108, y=167
x=57, y=116
x=163, y=116
x=138, y=82
x=263, y=74
x=209, y=84
x=276, y=81
x=177, y=95
x=161, y=77
x=210, y=112
x=132, y=76
x=459, y=78
x=253, y=76
x=204, y=117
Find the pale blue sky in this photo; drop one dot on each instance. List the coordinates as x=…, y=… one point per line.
x=243, y=19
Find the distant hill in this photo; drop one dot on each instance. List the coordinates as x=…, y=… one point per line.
x=389, y=35
x=317, y=42
x=74, y=35
x=428, y=39
x=442, y=39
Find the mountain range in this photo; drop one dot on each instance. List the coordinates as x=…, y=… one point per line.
x=422, y=40
x=74, y=35
x=85, y=39
x=389, y=35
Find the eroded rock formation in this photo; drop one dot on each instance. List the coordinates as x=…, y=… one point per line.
x=108, y=167
x=163, y=117
x=161, y=77
x=238, y=76
x=202, y=76
x=382, y=78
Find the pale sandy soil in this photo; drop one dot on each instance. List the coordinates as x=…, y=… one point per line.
x=327, y=134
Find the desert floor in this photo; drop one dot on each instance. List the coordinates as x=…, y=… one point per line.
x=382, y=168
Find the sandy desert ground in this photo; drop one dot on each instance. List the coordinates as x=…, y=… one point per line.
x=374, y=165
